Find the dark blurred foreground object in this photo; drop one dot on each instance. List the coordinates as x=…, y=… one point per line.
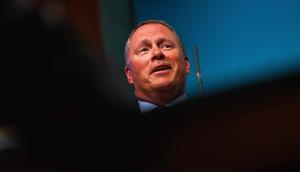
x=45, y=67
x=255, y=128
x=57, y=100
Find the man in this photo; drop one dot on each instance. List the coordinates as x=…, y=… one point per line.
x=156, y=65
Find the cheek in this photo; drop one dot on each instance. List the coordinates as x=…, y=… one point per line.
x=139, y=67
x=175, y=56
x=181, y=67
x=177, y=61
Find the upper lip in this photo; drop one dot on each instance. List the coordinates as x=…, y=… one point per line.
x=160, y=67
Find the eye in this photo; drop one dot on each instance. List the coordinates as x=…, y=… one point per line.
x=143, y=51
x=166, y=46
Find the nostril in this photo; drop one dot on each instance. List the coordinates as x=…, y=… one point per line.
x=157, y=54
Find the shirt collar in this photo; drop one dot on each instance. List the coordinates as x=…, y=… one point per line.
x=147, y=106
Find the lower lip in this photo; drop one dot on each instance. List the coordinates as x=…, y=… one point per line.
x=162, y=72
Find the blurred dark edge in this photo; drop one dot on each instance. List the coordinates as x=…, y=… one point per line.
x=58, y=99
x=254, y=128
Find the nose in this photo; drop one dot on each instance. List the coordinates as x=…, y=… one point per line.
x=157, y=54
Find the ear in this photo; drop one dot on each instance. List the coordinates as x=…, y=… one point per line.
x=128, y=73
x=187, y=65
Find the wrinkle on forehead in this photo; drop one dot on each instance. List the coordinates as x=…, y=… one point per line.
x=159, y=33
x=158, y=41
x=152, y=29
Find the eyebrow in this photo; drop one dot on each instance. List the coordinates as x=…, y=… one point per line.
x=161, y=40
x=144, y=42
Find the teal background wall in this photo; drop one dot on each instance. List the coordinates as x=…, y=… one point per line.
x=116, y=23
x=240, y=42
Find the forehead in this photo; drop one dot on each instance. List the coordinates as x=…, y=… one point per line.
x=152, y=30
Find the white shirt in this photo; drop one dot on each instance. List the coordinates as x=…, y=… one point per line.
x=147, y=106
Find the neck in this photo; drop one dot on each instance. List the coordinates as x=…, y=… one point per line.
x=160, y=98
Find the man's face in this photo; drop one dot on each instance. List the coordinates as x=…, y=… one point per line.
x=156, y=61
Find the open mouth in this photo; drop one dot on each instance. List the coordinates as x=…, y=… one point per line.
x=161, y=68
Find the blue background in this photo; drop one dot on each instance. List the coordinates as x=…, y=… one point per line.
x=239, y=42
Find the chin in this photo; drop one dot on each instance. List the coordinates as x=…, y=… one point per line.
x=163, y=85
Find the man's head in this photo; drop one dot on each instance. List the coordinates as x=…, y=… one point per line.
x=156, y=63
